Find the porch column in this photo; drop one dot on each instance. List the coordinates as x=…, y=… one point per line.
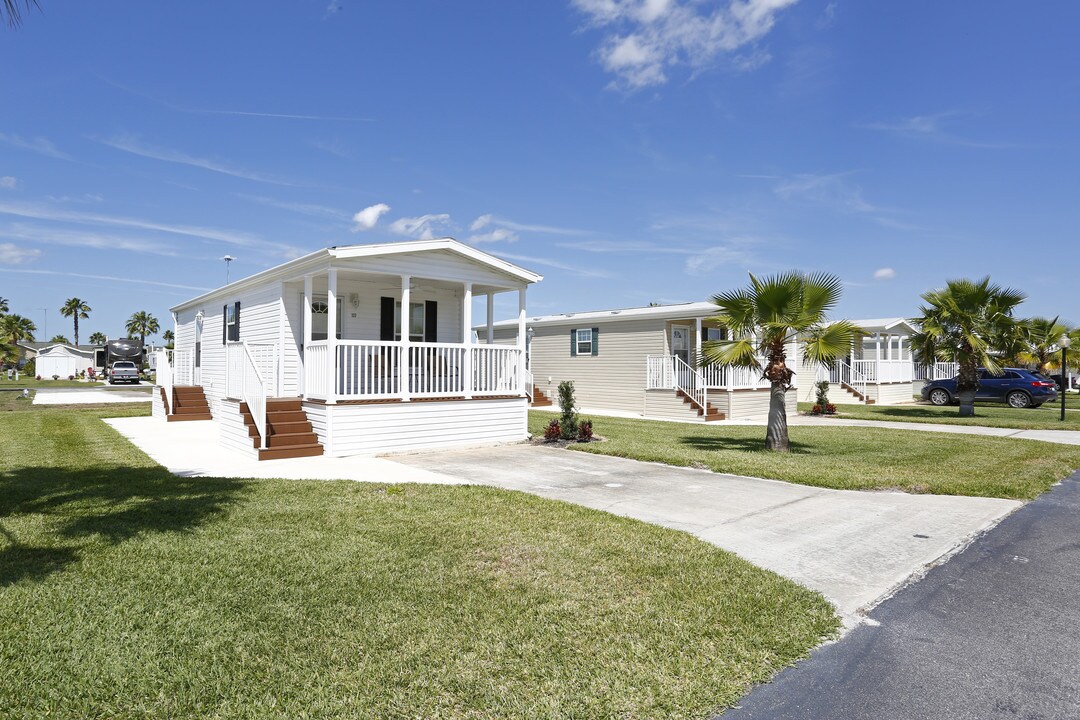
x=307, y=335
x=331, y=334
x=279, y=356
x=521, y=340
x=466, y=338
x=406, y=349
x=697, y=342
x=491, y=318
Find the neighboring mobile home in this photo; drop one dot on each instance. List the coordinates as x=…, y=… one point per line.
x=879, y=370
x=640, y=361
x=356, y=349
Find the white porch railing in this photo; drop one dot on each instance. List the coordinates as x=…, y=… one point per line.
x=935, y=371
x=884, y=371
x=529, y=392
x=384, y=370
x=249, y=378
x=660, y=374
x=842, y=373
x=164, y=378
x=689, y=382
x=183, y=367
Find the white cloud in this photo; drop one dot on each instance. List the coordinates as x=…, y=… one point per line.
x=583, y=272
x=11, y=254
x=39, y=145
x=8, y=182
x=302, y=208
x=885, y=273
x=933, y=128
x=78, y=238
x=424, y=227
x=491, y=220
x=369, y=217
x=826, y=189
x=109, y=278
x=647, y=37
x=496, y=235
x=718, y=256
x=133, y=145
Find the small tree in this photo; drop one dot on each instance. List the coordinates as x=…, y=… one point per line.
x=568, y=420
x=98, y=338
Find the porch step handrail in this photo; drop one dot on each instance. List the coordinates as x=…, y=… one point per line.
x=244, y=381
x=529, y=392
x=690, y=382
x=843, y=373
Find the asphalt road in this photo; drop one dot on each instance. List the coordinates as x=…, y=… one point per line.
x=993, y=633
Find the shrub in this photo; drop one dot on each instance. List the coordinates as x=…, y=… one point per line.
x=71, y=377
x=30, y=368
x=568, y=419
x=830, y=409
x=822, y=398
x=816, y=410
x=584, y=431
x=55, y=377
x=38, y=377
x=552, y=432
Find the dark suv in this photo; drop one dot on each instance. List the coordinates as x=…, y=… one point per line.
x=1018, y=387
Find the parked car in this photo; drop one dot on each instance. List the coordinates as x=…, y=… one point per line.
x=123, y=371
x=1017, y=387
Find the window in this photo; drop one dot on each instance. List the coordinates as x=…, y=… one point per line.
x=584, y=341
x=416, y=321
x=320, y=317
x=230, y=331
x=711, y=333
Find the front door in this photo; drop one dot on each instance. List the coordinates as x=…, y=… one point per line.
x=680, y=342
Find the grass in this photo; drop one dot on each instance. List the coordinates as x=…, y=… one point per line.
x=848, y=458
x=126, y=592
x=26, y=381
x=986, y=415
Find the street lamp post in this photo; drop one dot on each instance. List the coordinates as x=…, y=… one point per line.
x=1063, y=343
x=228, y=260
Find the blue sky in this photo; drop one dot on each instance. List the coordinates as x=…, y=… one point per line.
x=629, y=151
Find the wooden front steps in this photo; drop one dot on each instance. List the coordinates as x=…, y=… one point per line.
x=709, y=413
x=188, y=403
x=288, y=431
x=540, y=399
x=858, y=395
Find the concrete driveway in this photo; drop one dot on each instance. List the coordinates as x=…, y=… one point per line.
x=854, y=547
x=89, y=396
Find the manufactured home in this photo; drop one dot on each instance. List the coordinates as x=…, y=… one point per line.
x=879, y=369
x=640, y=361
x=357, y=349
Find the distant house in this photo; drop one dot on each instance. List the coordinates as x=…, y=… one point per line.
x=349, y=350
x=62, y=360
x=640, y=361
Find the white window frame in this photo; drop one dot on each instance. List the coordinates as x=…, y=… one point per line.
x=322, y=334
x=583, y=338
x=413, y=307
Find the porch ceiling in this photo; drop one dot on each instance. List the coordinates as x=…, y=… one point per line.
x=389, y=282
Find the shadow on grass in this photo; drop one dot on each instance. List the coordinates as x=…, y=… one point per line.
x=751, y=445
x=920, y=412
x=110, y=504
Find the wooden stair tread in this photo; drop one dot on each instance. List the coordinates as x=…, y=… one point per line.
x=292, y=451
x=189, y=418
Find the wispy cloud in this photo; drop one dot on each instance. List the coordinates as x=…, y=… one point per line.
x=335, y=147
x=7, y=182
x=133, y=145
x=646, y=38
x=736, y=251
x=496, y=235
x=368, y=218
x=490, y=220
x=933, y=128
x=835, y=190
x=623, y=247
x=40, y=212
x=11, y=254
x=580, y=271
x=109, y=278
x=39, y=145
x=885, y=273
x=77, y=238
x=424, y=227
x=320, y=211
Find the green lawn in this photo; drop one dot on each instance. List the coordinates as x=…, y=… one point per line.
x=126, y=592
x=843, y=457
x=25, y=381
x=987, y=415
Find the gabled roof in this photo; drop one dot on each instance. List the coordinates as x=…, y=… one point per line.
x=875, y=325
x=321, y=259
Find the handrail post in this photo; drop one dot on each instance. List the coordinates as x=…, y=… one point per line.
x=331, y=334
x=405, y=359
x=466, y=338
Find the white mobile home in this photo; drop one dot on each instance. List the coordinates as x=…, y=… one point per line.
x=356, y=349
x=640, y=361
x=879, y=370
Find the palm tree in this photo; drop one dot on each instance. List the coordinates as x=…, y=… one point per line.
x=768, y=315
x=1040, y=343
x=12, y=14
x=16, y=329
x=76, y=308
x=98, y=338
x=967, y=320
x=142, y=324
x=168, y=337
x=59, y=339
x=3, y=306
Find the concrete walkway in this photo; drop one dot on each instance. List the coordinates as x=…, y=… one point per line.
x=191, y=449
x=853, y=547
x=88, y=396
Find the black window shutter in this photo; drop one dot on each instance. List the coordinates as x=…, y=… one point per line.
x=224, y=324
x=431, y=319
x=386, y=318
x=596, y=341
x=573, y=343
x=236, y=324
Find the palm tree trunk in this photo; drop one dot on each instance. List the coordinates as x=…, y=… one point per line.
x=776, y=433
x=76, y=329
x=967, y=382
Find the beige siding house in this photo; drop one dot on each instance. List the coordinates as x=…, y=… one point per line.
x=640, y=361
x=357, y=349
